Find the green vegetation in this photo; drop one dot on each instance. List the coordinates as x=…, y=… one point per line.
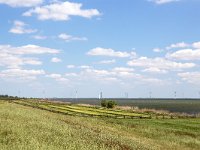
x=190, y=106
x=103, y=103
x=7, y=97
x=24, y=126
x=108, y=104
x=82, y=110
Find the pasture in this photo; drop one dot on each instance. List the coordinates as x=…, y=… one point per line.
x=42, y=125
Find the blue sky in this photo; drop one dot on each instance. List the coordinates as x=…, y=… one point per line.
x=55, y=48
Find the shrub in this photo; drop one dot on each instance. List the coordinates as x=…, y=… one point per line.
x=103, y=103
x=111, y=104
x=108, y=104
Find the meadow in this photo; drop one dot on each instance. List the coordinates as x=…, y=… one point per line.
x=42, y=125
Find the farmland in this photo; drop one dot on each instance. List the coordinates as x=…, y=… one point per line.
x=97, y=111
x=41, y=125
x=190, y=106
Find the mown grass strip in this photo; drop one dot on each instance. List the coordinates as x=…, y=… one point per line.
x=121, y=113
x=88, y=111
x=84, y=111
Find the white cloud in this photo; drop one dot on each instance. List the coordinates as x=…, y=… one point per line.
x=122, y=69
x=101, y=76
x=162, y=1
x=62, y=11
x=71, y=74
x=110, y=52
x=71, y=66
x=190, y=77
x=19, y=27
x=160, y=63
x=54, y=75
x=21, y=3
x=32, y=61
x=69, y=38
x=13, y=57
x=84, y=67
x=107, y=61
x=27, y=50
x=79, y=67
x=155, y=70
x=157, y=50
x=39, y=37
x=13, y=61
x=178, y=45
x=21, y=74
x=196, y=45
x=55, y=60
x=185, y=54
x=58, y=77
x=119, y=75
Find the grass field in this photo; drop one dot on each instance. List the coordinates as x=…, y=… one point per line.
x=24, y=127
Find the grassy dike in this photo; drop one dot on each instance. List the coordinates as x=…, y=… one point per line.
x=24, y=128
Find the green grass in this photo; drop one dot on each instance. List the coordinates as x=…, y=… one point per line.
x=23, y=127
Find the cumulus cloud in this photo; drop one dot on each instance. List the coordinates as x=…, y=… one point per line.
x=157, y=50
x=155, y=70
x=13, y=61
x=21, y=3
x=196, y=45
x=27, y=50
x=71, y=66
x=112, y=61
x=21, y=74
x=159, y=63
x=84, y=67
x=190, y=77
x=61, y=11
x=122, y=69
x=126, y=75
x=31, y=61
x=110, y=53
x=69, y=38
x=39, y=37
x=185, y=54
x=178, y=45
x=117, y=75
x=19, y=27
x=14, y=57
x=55, y=60
x=58, y=77
x=162, y=1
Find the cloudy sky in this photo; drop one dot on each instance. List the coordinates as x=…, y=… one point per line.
x=142, y=47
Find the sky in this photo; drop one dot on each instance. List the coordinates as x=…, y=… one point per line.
x=57, y=48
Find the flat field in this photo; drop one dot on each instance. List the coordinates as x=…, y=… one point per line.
x=191, y=106
x=25, y=127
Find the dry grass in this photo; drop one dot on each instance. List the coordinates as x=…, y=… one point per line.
x=28, y=128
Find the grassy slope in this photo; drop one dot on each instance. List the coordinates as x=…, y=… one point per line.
x=27, y=128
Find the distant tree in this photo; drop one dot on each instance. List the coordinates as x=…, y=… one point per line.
x=103, y=103
x=108, y=104
x=111, y=104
